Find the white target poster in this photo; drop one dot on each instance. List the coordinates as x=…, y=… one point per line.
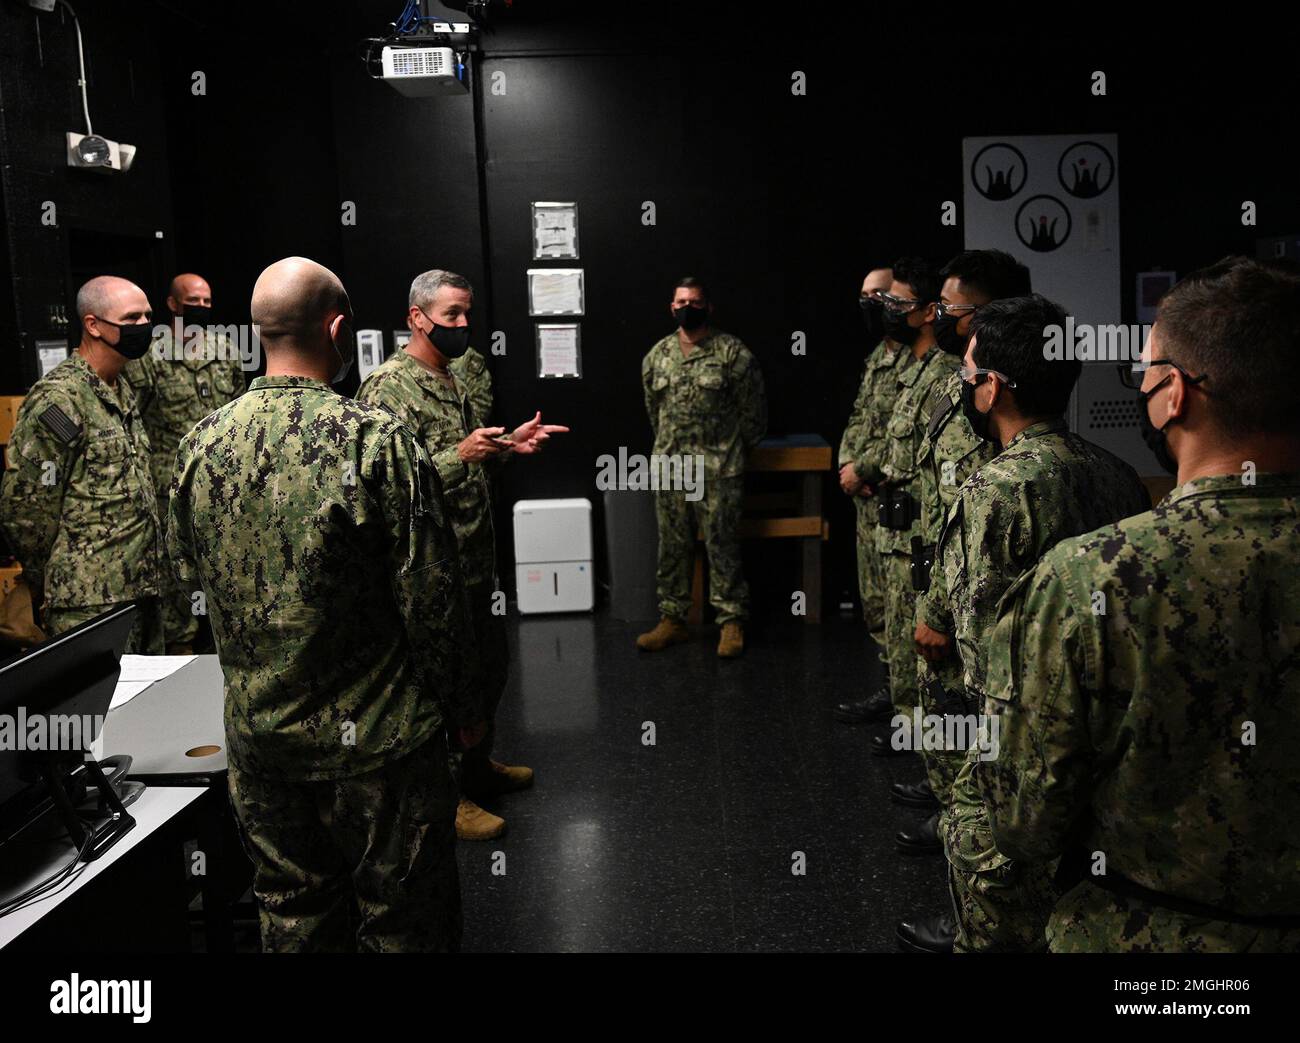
x=1051, y=201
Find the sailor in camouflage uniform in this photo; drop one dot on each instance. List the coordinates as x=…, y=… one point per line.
x=950, y=451
x=1144, y=675
x=77, y=503
x=316, y=528
x=909, y=318
x=704, y=396
x=418, y=387
x=860, y=462
x=186, y=375
x=1046, y=484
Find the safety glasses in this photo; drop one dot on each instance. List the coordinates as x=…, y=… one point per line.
x=1131, y=375
x=971, y=372
x=898, y=305
x=942, y=310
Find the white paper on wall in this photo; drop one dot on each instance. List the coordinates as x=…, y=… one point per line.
x=555, y=291
x=558, y=350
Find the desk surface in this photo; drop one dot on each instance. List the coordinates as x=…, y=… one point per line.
x=159, y=727
x=44, y=857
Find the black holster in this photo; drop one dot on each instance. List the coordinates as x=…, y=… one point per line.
x=947, y=701
x=897, y=509
x=922, y=562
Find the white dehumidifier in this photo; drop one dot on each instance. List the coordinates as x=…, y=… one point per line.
x=553, y=570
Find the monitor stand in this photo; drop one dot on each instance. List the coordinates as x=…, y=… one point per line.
x=91, y=839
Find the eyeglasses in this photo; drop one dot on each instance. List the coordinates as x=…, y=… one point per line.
x=898, y=305
x=869, y=300
x=970, y=372
x=942, y=310
x=1131, y=376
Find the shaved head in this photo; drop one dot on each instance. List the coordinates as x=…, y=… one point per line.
x=188, y=288
x=106, y=303
x=108, y=297
x=294, y=303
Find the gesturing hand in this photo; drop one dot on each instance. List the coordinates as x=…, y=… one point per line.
x=532, y=435
x=483, y=442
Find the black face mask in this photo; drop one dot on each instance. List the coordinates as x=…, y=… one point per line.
x=451, y=341
x=897, y=329
x=979, y=422
x=1153, y=436
x=873, y=318
x=691, y=318
x=950, y=341
x=133, y=339
x=196, y=314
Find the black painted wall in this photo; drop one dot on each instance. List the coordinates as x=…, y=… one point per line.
x=122, y=221
x=778, y=201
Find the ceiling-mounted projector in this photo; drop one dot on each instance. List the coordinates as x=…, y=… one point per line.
x=423, y=72
x=93, y=152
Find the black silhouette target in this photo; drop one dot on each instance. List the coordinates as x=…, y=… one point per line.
x=999, y=175
x=1045, y=227
x=1086, y=169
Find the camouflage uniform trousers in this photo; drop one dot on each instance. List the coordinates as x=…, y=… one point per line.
x=1001, y=905
x=910, y=675
x=180, y=625
x=356, y=864
x=145, y=638
x=941, y=686
x=1090, y=919
x=471, y=766
x=871, y=578
x=900, y=630
x=717, y=518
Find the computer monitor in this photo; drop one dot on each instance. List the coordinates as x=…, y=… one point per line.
x=57, y=695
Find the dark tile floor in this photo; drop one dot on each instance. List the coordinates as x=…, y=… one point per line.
x=688, y=844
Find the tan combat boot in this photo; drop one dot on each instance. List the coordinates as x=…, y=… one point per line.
x=732, y=641
x=473, y=823
x=511, y=777
x=668, y=632
x=499, y=778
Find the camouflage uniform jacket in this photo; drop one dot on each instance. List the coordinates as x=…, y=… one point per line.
x=471, y=371
x=950, y=452
x=903, y=435
x=176, y=388
x=709, y=404
x=441, y=417
x=1048, y=484
x=78, y=503
x=315, y=527
x=864, y=438
x=1146, y=678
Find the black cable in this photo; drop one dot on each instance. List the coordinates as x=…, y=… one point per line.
x=51, y=881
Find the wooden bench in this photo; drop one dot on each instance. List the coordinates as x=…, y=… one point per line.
x=805, y=456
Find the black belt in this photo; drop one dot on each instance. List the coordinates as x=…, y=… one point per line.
x=1126, y=888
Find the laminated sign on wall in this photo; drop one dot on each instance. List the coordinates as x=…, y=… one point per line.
x=1051, y=201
